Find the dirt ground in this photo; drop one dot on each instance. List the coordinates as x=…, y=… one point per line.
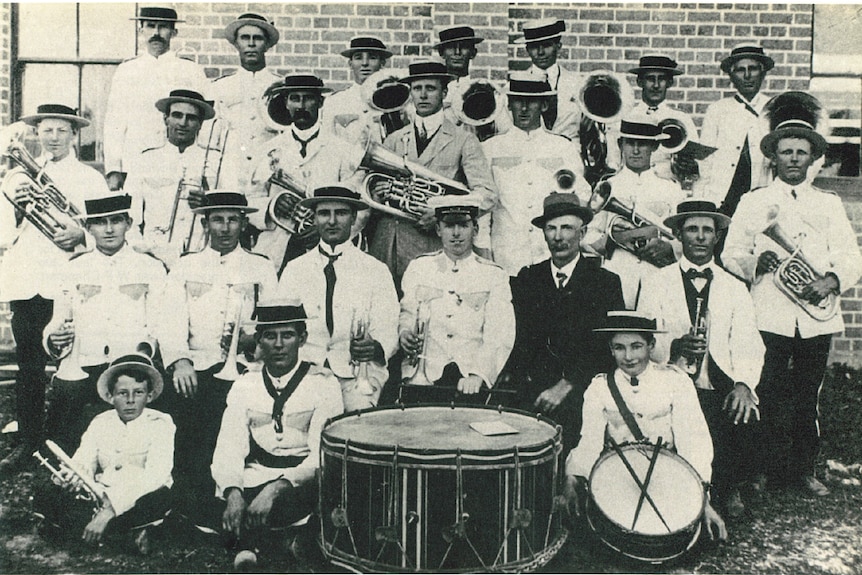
x=782, y=532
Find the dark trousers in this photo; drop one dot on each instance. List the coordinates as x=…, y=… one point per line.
x=789, y=386
x=568, y=415
x=29, y=318
x=73, y=405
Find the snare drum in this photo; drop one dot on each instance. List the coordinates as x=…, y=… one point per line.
x=656, y=534
x=419, y=489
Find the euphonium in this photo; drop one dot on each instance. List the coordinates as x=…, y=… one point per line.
x=478, y=106
x=385, y=94
x=644, y=229
x=409, y=186
x=47, y=208
x=421, y=331
x=229, y=371
x=604, y=98
x=66, y=472
x=795, y=273
x=301, y=220
x=70, y=366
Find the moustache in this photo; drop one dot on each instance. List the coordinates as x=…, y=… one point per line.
x=301, y=115
x=156, y=38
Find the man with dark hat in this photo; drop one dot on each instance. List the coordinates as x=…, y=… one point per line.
x=434, y=142
x=206, y=295
x=346, y=112
x=267, y=456
x=653, y=198
x=558, y=302
x=131, y=123
x=106, y=304
x=465, y=301
x=29, y=267
x=355, y=331
x=734, y=126
x=711, y=333
x=543, y=40
x=525, y=162
x=793, y=294
x=167, y=181
x=243, y=125
x=303, y=157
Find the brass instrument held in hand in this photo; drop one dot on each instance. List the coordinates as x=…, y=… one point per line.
x=66, y=472
x=674, y=127
x=604, y=97
x=383, y=93
x=359, y=325
x=644, y=229
x=46, y=207
x=70, y=366
x=408, y=185
x=232, y=326
x=795, y=273
x=479, y=106
x=699, y=329
x=420, y=330
x=301, y=220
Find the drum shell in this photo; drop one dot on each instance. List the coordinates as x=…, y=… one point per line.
x=414, y=491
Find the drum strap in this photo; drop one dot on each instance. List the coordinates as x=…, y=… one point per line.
x=282, y=396
x=628, y=417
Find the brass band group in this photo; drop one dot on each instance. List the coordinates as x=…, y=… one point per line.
x=263, y=258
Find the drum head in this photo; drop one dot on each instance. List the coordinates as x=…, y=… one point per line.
x=674, y=486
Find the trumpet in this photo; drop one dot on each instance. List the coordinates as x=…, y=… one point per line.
x=70, y=366
x=301, y=220
x=68, y=473
x=700, y=329
x=420, y=329
x=46, y=208
x=409, y=186
x=383, y=93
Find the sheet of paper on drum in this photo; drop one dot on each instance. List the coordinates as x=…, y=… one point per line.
x=493, y=428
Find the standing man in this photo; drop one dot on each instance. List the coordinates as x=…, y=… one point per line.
x=168, y=181
x=267, y=456
x=347, y=113
x=131, y=123
x=797, y=343
x=525, y=161
x=465, y=303
x=734, y=126
x=109, y=294
x=558, y=303
x=344, y=287
x=436, y=143
x=238, y=102
x=711, y=333
x=206, y=294
x=27, y=276
x=543, y=39
x=637, y=187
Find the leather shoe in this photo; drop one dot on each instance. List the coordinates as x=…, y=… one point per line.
x=733, y=505
x=812, y=485
x=245, y=561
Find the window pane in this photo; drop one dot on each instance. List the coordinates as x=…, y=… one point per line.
x=46, y=30
x=95, y=84
x=48, y=84
x=106, y=31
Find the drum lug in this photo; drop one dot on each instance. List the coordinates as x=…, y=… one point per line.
x=457, y=531
x=521, y=519
x=387, y=533
x=339, y=517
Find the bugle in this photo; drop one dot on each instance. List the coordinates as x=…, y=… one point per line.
x=229, y=371
x=643, y=230
x=68, y=473
x=383, y=93
x=479, y=106
x=70, y=366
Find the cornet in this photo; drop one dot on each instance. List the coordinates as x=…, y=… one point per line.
x=230, y=328
x=564, y=180
x=700, y=329
x=359, y=326
x=66, y=472
x=420, y=330
x=70, y=366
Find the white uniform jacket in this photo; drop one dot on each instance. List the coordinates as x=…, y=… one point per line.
x=567, y=84
x=523, y=164
x=469, y=306
x=363, y=287
x=248, y=417
x=734, y=343
x=129, y=460
x=29, y=267
x=201, y=296
x=725, y=126
x=241, y=124
x=113, y=300
x=132, y=122
x=664, y=404
x=818, y=222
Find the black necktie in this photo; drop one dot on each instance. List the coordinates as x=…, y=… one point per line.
x=561, y=279
x=329, y=273
x=634, y=381
x=303, y=150
x=651, y=109
x=746, y=104
x=793, y=193
x=692, y=274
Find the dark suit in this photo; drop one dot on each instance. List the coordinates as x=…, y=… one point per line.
x=554, y=337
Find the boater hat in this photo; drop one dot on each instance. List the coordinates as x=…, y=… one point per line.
x=795, y=115
x=225, y=200
x=541, y=30
x=696, y=208
x=108, y=206
x=529, y=84
x=427, y=70
x=455, y=208
x=133, y=363
x=366, y=44
x=562, y=204
x=272, y=313
x=628, y=321
x=656, y=63
x=752, y=51
x=634, y=130
x=251, y=19
x=57, y=111
x=157, y=15
x=334, y=194
x=187, y=97
x=457, y=34
x=277, y=94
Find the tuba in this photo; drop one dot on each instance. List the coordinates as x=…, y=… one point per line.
x=795, y=273
x=66, y=472
x=604, y=98
x=47, y=208
x=383, y=93
x=478, y=106
x=409, y=185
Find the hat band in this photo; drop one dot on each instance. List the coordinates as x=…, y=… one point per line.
x=528, y=87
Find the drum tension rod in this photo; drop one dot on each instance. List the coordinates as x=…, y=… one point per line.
x=339, y=515
x=459, y=530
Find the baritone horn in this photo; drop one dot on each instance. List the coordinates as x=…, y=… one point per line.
x=604, y=97
x=301, y=219
x=66, y=472
x=677, y=132
x=407, y=185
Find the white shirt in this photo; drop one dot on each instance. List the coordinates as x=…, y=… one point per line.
x=567, y=85
x=566, y=270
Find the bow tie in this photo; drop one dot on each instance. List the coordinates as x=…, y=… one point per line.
x=692, y=274
x=651, y=109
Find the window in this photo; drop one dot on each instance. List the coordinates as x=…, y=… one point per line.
x=66, y=54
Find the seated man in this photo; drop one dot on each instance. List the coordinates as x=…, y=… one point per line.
x=126, y=456
x=267, y=452
x=663, y=399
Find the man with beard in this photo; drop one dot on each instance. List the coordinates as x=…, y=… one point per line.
x=131, y=123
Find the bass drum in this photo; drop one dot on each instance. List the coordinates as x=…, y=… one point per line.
x=654, y=535
x=440, y=489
